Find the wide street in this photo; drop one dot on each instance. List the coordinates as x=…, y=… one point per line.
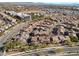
x=50, y=51
x=13, y=31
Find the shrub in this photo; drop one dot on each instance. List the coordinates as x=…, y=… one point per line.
x=68, y=42
x=73, y=39
x=14, y=45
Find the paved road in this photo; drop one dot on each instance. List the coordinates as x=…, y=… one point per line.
x=12, y=32
x=51, y=51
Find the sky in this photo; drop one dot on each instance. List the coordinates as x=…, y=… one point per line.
x=44, y=1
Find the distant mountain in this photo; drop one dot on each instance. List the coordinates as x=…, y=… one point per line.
x=65, y=4
x=22, y=3
x=39, y=3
